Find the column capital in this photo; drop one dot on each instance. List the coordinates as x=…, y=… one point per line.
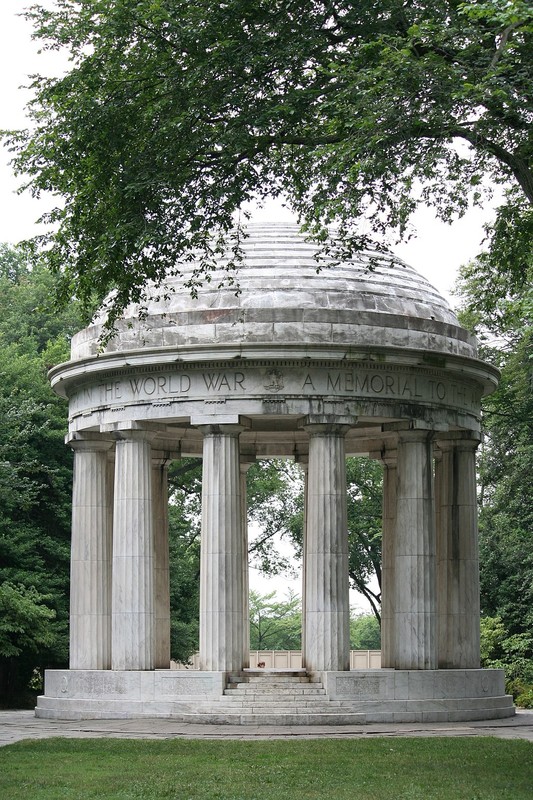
x=388, y=455
x=318, y=424
x=88, y=442
x=162, y=458
x=224, y=429
x=458, y=440
x=131, y=431
x=415, y=435
x=245, y=462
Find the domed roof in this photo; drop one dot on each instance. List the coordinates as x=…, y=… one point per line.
x=287, y=299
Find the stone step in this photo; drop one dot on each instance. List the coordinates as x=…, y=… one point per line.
x=274, y=697
x=288, y=673
x=246, y=688
x=274, y=679
x=283, y=673
x=263, y=719
x=334, y=706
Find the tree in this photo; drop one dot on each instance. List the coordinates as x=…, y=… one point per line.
x=364, y=480
x=184, y=556
x=275, y=624
x=275, y=502
x=25, y=630
x=35, y=476
x=502, y=316
x=365, y=633
x=506, y=516
x=174, y=114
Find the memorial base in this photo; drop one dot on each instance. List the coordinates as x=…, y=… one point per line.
x=325, y=698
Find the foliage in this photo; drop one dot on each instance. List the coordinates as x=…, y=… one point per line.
x=174, y=114
x=501, y=312
x=525, y=698
x=376, y=767
x=506, y=515
x=364, y=479
x=35, y=472
x=499, y=300
x=184, y=556
x=365, y=633
x=513, y=653
x=275, y=507
x=23, y=620
x=275, y=498
x=275, y=624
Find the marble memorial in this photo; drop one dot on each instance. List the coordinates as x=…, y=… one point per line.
x=362, y=357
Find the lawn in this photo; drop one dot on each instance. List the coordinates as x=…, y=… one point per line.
x=325, y=769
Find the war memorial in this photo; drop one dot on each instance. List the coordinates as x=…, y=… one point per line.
x=360, y=357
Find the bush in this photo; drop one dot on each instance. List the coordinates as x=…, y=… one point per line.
x=525, y=699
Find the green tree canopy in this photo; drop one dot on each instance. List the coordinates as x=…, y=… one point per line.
x=35, y=475
x=504, y=320
x=275, y=624
x=365, y=632
x=174, y=114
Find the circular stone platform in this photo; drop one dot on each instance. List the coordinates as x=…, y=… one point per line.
x=300, y=358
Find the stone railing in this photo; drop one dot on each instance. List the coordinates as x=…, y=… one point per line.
x=292, y=659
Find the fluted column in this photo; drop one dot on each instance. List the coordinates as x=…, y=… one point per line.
x=415, y=635
x=304, y=466
x=388, y=459
x=326, y=590
x=161, y=562
x=133, y=555
x=90, y=563
x=222, y=551
x=245, y=465
x=457, y=555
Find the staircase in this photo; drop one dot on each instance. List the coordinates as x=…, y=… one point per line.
x=275, y=697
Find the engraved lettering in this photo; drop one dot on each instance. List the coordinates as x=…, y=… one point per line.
x=389, y=384
x=162, y=385
x=239, y=381
x=211, y=380
x=149, y=386
x=377, y=384
x=361, y=385
x=334, y=385
x=406, y=389
x=136, y=386
x=308, y=383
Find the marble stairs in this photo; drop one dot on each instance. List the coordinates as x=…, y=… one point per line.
x=275, y=697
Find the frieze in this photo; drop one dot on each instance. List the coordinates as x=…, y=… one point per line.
x=267, y=383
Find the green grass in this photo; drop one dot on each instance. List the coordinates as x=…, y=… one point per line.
x=325, y=769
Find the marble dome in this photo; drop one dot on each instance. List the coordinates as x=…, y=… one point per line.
x=283, y=300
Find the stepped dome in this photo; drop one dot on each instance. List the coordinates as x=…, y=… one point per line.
x=284, y=297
